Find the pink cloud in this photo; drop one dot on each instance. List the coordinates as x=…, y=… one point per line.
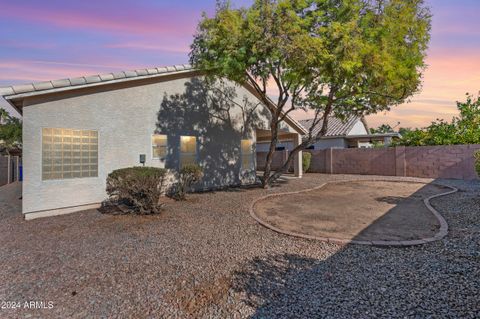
x=150, y=46
x=451, y=74
x=16, y=71
x=27, y=45
x=130, y=21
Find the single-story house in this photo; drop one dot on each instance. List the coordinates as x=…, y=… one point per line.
x=76, y=131
x=349, y=133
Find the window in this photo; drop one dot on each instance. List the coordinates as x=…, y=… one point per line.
x=159, y=146
x=68, y=153
x=247, y=154
x=188, y=150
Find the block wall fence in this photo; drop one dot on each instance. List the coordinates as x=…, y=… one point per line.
x=9, y=169
x=449, y=161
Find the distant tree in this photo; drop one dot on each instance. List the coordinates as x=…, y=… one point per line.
x=10, y=131
x=384, y=128
x=463, y=129
x=404, y=130
x=334, y=57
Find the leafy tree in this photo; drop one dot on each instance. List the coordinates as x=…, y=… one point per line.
x=463, y=129
x=404, y=130
x=10, y=131
x=384, y=128
x=337, y=57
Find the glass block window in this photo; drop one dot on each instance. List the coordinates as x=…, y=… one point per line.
x=247, y=154
x=159, y=146
x=68, y=153
x=188, y=150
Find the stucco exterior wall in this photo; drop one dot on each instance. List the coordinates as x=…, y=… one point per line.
x=125, y=117
x=264, y=146
x=319, y=145
x=358, y=129
x=330, y=143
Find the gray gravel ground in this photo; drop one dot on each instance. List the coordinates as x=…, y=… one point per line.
x=207, y=258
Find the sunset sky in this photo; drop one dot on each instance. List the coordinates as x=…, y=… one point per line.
x=54, y=39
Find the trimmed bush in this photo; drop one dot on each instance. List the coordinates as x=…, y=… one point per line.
x=188, y=176
x=477, y=161
x=306, y=160
x=139, y=188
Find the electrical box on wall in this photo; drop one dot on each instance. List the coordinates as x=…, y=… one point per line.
x=143, y=159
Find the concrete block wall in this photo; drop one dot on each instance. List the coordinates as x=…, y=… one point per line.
x=378, y=161
x=279, y=158
x=449, y=161
x=9, y=174
x=319, y=161
x=3, y=170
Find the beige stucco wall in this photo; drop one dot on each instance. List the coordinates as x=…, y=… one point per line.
x=125, y=117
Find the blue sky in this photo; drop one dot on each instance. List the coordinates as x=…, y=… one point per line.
x=46, y=40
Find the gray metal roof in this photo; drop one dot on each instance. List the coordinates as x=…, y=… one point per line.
x=335, y=127
x=92, y=79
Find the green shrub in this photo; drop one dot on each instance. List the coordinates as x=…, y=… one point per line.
x=306, y=160
x=137, y=187
x=189, y=175
x=477, y=161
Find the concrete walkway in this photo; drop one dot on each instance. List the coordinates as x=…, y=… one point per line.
x=390, y=213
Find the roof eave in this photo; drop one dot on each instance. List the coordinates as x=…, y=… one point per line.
x=16, y=99
x=16, y=107
x=20, y=96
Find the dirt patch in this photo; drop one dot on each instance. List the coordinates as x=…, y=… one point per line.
x=192, y=297
x=359, y=210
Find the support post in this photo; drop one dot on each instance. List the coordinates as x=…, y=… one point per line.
x=297, y=163
x=9, y=169
x=329, y=161
x=17, y=175
x=400, y=162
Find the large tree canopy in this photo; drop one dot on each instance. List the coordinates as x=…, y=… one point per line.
x=462, y=129
x=336, y=57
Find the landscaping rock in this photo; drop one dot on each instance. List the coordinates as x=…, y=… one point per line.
x=207, y=258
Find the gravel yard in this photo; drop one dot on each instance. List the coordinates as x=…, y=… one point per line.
x=207, y=258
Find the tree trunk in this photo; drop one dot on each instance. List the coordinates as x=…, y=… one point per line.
x=291, y=156
x=268, y=162
x=269, y=178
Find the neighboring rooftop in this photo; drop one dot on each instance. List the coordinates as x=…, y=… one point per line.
x=335, y=127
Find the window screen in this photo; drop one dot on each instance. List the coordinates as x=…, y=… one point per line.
x=68, y=153
x=159, y=146
x=247, y=154
x=188, y=150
